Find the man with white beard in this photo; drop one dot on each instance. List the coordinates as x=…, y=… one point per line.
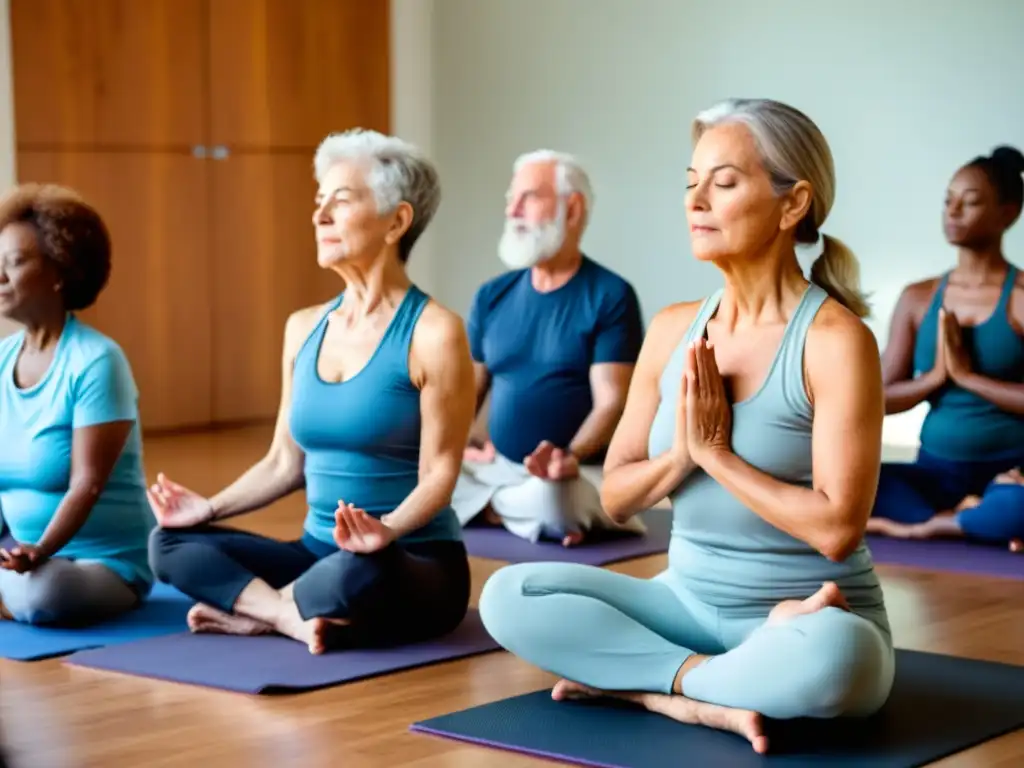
x=554, y=341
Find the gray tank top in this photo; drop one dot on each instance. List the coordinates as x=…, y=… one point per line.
x=724, y=553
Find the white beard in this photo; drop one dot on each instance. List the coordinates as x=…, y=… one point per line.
x=523, y=246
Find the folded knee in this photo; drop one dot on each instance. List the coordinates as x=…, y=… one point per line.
x=46, y=596
x=846, y=666
x=502, y=606
x=161, y=544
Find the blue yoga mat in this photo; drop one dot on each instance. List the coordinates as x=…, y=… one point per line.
x=940, y=705
x=602, y=548
x=163, y=613
x=275, y=664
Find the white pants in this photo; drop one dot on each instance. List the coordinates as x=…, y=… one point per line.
x=531, y=507
x=65, y=593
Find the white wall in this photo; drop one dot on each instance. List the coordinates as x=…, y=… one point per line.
x=7, y=172
x=412, y=92
x=905, y=92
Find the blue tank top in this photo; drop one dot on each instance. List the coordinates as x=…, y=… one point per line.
x=960, y=425
x=722, y=551
x=361, y=437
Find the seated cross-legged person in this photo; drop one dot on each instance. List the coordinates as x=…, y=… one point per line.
x=957, y=342
x=759, y=411
x=376, y=408
x=554, y=342
x=72, y=484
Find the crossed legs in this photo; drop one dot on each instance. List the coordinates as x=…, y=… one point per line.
x=63, y=592
x=249, y=584
x=654, y=644
x=905, y=508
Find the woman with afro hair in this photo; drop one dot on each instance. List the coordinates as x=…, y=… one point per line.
x=72, y=485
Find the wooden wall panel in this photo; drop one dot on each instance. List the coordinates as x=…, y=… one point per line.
x=191, y=124
x=264, y=264
x=99, y=73
x=156, y=305
x=285, y=73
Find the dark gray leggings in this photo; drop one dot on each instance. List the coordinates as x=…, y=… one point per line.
x=403, y=593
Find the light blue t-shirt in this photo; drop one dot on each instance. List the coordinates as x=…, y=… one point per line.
x=88, y=382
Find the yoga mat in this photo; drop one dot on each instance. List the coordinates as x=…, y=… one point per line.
x=948, y=555
x=940, y=705
x=275, y=664
x=163, y=613
x=495, y=543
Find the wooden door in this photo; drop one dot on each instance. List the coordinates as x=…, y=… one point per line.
x=285, y=73
x=102, y=74
x=156, y=305
x=110, y=100
x=263, y=254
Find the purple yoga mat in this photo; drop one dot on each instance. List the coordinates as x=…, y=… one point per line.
x=274, y=664
x=948, y=555
x=496, y=543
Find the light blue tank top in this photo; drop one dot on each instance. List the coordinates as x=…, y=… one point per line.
x=723, y=552
x=960, y=425
x=361, y=437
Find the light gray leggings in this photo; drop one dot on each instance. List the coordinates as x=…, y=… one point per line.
x=615, y=632
x=65, y=593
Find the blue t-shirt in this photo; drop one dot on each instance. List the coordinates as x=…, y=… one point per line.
x=88, y=382
x=539, y=347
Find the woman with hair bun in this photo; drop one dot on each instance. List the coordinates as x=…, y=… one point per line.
x=957, y=342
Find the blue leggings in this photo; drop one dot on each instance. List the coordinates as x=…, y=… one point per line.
x=914, y=493
x=619, y=633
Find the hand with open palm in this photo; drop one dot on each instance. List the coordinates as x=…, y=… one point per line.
x=357, y=531
x=176, y=506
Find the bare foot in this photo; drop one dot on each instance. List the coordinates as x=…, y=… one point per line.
x=890, y=528
x=967, y=502
x=572, y=539
x=204, y=618
x=743, y=722
x=321, y=634
x=491, y=517
x=828, y=595
x=567, y=690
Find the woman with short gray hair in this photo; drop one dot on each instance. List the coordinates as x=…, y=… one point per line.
x=377, y=403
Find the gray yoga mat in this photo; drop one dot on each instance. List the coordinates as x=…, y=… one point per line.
x=940, y=705
x=273, y=664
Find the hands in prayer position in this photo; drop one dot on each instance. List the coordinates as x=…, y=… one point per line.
x=705, y=414
x=951, y=359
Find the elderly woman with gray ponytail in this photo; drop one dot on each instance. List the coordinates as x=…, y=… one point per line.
x=758, y=411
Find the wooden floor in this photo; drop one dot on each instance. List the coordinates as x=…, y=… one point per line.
x=53, y=716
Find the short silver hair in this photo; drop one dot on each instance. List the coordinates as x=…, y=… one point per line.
x=569, y=173
x=398, y=172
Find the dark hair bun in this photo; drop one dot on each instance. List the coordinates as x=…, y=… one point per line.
x=1009, y=158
